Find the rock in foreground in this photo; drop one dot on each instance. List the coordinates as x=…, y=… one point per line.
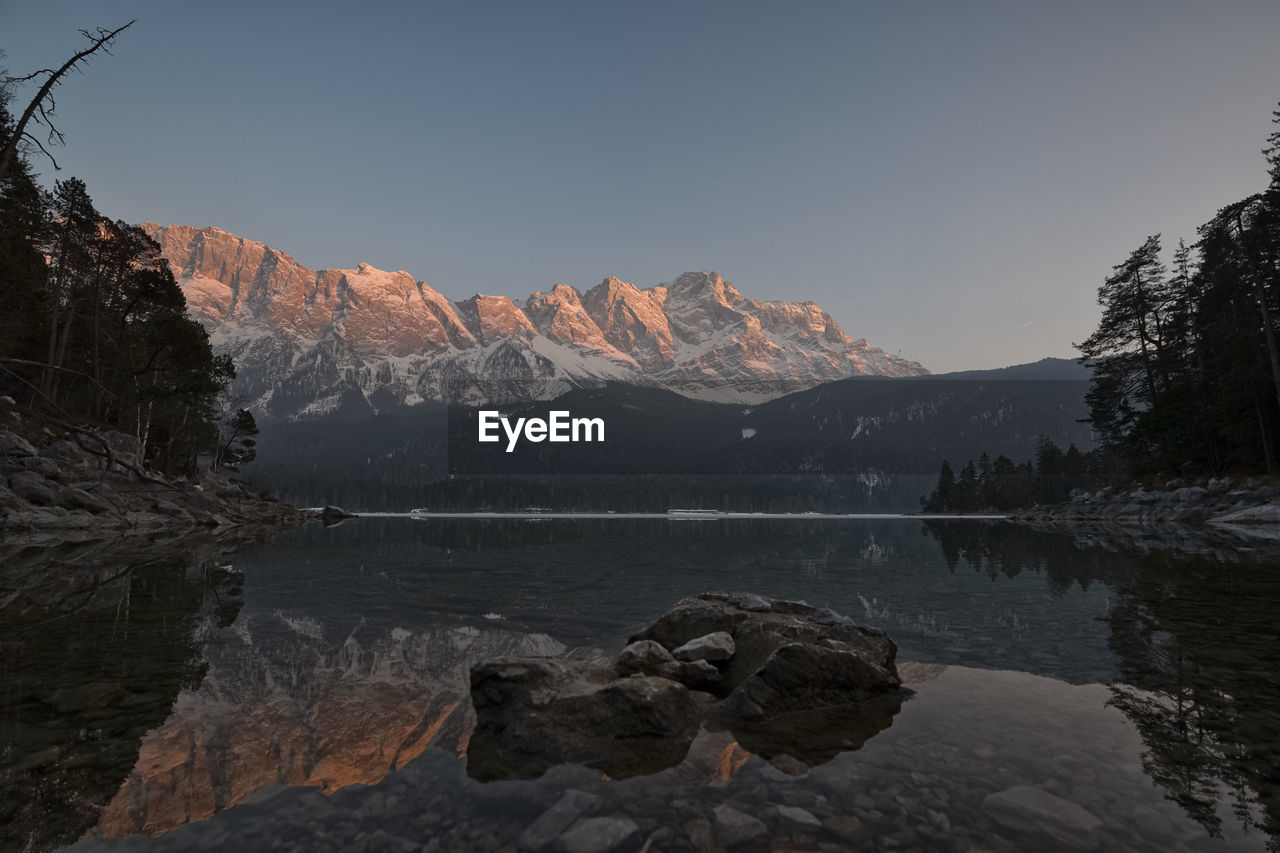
x=784, y=678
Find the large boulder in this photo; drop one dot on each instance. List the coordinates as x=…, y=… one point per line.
x=783, y=677
x=8, y=500
x=644, y=657
x=713, y=648
x=788, y=658
x=67, y=453
x=126, y=448
x=72, y=498
x=41, y=465
x=33, y=488
x=12, y=444
x=534, y=713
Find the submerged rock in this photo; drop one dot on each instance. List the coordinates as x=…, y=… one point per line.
x=598, y=835
x=1035, y=811
x=788, y=680
x=555, y=820
x=734, y=827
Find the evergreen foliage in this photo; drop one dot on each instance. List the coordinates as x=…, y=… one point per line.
x=1001, y=484
x=95, y=334
x=1186, y=361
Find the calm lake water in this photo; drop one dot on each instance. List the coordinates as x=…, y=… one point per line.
x=311, y=692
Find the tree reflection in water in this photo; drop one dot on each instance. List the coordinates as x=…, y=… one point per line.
x=1194, y=630
x=96, y=645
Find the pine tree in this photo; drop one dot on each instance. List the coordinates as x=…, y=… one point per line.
x=237, y=445
x=942, y=498
x=1129, y=352
x=968, y=492
x=24, y=225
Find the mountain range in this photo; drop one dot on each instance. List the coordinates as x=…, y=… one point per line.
x=354, y=342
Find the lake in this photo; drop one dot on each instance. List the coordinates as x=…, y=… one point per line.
x=311, y=691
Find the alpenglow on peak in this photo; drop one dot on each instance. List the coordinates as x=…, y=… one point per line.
x=311, y=342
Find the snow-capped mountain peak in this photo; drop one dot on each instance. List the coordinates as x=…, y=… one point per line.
x=307, y=342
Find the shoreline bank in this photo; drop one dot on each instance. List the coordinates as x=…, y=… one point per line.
x=63, y=493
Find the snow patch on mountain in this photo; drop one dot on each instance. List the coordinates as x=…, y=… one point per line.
x=312, y=342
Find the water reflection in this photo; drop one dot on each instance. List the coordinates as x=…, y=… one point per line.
x=969, y=741
x=94, y=648
x=140, y=697
x=285, y=704
x=1200, y=670
x=1199, y=662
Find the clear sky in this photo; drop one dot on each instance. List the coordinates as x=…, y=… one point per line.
x=949, y=179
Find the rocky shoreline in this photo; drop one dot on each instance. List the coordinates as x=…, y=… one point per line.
x=66, y=489
x=1246, y=508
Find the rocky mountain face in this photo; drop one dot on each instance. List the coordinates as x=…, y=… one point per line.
x=317, y=342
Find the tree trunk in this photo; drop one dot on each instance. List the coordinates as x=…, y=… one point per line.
x=1268, y=450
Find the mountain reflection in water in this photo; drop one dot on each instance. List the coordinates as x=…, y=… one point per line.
x=347, y=663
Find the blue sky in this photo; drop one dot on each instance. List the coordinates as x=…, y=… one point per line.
x=951, y=180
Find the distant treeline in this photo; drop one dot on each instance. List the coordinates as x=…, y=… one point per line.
x=1001, y=484
x=1186, y=358
x=94, y=333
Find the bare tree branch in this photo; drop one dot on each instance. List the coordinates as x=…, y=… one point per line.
x=102, y=41
x=45, y=366
x=43, y=150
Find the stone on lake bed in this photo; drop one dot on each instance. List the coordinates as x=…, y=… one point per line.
x=735, y=827
x=555, y=820
x=795, y=814
x=714, y=647
x=1035, y=811
x=598, y=835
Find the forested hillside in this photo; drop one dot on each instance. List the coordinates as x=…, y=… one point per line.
x=94, y=333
